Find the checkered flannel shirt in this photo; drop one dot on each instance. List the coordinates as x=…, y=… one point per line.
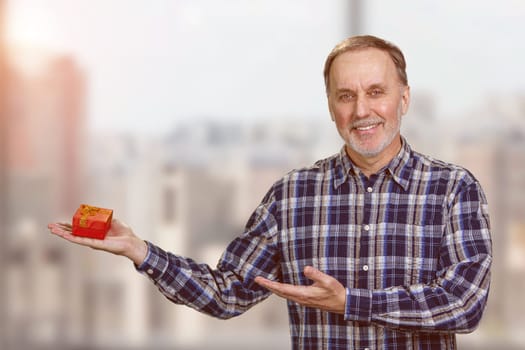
x=411, y=245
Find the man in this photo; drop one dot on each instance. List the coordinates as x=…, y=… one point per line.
x=376, y=247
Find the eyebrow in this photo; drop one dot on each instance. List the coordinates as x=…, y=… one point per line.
x=344, y=90
x=377, y=86
x=372, y=86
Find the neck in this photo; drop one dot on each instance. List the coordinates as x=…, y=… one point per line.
x=370, y=165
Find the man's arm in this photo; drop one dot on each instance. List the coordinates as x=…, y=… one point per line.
x=453, y=302
x=224, y=292
x=229, y=289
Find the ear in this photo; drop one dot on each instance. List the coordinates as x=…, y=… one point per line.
x=330, y=108
x=405, y=99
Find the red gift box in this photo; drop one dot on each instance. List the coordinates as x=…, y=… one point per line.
x=92, y=222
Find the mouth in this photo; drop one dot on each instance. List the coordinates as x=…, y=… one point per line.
x=366, y=127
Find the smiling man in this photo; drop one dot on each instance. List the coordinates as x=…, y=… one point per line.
x=366, y=98
x=375, y=247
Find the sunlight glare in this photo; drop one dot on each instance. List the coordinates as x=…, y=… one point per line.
x=33, y=27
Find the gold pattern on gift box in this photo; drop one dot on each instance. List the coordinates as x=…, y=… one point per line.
x=88, y=210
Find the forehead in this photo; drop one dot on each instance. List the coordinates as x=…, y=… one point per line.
x=364, y=67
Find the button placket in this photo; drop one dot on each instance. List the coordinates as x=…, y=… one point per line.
x=366, y=239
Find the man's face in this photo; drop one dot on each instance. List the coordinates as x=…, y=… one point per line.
x=366, y=100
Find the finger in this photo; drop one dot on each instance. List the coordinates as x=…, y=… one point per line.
x=59, y=224
x=321, y=279
x=285, y=290
x=57, y=230
x=59, y=227
x=63, y=230
x=268, y=284
x=264, y=282
x=85, y=241
x=116, y=223
x=314, y=274
x=277, y=292
x=65, y=226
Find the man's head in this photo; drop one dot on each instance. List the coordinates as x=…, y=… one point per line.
x=367, y=91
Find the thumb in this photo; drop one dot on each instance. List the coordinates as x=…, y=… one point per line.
x=314, y=274
x=119, y=225
x=117, y=222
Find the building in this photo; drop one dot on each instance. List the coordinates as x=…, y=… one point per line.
x=44, y=166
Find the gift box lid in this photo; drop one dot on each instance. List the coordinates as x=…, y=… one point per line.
x=92, y=217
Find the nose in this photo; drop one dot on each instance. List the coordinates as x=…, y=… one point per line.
x=362, y=108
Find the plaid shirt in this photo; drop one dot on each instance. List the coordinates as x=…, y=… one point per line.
x=411, y=245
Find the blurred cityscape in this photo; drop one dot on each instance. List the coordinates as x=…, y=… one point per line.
x=190, y=191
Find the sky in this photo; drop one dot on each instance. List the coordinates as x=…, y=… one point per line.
x=151, y=64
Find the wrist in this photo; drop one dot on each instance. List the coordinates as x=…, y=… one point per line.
x=138, y=251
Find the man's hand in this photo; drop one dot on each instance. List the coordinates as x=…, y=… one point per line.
x=326, y=293
x=120, y=240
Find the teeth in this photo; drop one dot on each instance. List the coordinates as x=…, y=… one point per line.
x=363, y=128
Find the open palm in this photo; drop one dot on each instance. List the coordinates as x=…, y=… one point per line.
x=119, y=240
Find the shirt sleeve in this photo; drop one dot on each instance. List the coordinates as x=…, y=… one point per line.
x=229, y=289
x=455, y=300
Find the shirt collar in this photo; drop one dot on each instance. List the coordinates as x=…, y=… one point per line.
x=399, y=167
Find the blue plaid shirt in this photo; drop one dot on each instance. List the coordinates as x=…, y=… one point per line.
x=411, y=245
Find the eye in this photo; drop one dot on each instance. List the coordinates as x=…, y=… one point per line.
x=375, y=92
x=346, y=97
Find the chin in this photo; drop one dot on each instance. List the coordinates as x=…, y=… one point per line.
x=371, y=147
x=369, y=153
x=366, y=150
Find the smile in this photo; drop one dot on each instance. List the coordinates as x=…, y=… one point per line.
x=363, y=128
x=366, y=127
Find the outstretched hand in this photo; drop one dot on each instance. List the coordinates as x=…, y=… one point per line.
x=326, y=293
x=120, y=240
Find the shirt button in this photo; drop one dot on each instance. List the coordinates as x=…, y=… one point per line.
x=150, y=272
x=365, y=268
x=369, y=189
x=366, y=227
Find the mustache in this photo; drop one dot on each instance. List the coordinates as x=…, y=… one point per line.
x=366, y=122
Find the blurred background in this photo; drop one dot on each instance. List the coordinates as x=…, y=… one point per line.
x=180, y=115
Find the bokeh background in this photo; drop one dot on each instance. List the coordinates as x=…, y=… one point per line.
x=180, y=114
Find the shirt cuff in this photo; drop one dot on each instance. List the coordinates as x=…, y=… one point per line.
x=156, y=262
x=358, y=305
